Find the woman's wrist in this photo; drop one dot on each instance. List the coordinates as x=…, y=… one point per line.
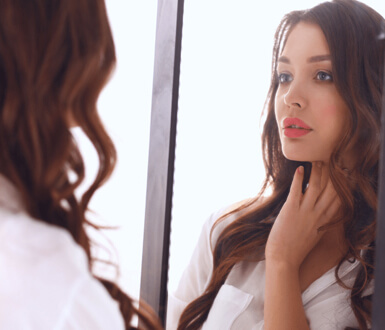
x=283, y=300
x=282, y=263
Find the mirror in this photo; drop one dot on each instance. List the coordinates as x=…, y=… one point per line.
x=225, y=73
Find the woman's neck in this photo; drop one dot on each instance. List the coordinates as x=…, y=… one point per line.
x=327, y=254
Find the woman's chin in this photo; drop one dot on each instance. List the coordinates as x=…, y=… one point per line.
x=296, y=158
x=302, y=158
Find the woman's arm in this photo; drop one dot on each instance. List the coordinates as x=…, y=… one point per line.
x=294, y=234
x=283, y=300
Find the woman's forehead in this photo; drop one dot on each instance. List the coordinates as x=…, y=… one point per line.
x=305, y=41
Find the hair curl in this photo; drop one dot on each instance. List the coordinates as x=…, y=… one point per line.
x=353, y=32
x=55, y=58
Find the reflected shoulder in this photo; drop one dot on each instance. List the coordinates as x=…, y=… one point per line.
x=254, y=202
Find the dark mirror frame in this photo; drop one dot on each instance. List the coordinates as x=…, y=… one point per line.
x=379, y=271
x=160, y=177
x=161, y=160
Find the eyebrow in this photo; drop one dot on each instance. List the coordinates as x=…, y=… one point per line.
x=313, y=59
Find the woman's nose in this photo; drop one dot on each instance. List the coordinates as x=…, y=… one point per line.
x=295, y=98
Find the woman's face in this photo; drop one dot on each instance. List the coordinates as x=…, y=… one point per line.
x=310, y=113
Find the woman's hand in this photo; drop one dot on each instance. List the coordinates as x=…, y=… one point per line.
x=294, y=234
x=295, y=231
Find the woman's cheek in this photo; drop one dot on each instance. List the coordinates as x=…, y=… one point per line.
x=330, y=115
x=333, y=121
x=330, y=110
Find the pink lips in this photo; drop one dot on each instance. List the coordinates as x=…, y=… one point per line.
x=295, y=128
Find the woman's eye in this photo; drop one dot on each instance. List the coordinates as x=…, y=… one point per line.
x=284, y=78
x=324, y=76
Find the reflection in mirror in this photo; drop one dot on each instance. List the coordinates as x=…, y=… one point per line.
x=225, y=75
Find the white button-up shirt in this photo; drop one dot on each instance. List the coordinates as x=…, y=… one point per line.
x=44, y=278
x=240, y=301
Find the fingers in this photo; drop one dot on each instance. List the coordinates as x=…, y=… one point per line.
x=332, y=211
x=315, y=185
x=328, y=203
x=324, y=176
x=329, y=214
x=320, y=195
x=295, y=193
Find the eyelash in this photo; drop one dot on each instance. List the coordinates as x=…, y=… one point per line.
x=289, y=78
x=284, y=75
x=330, y=76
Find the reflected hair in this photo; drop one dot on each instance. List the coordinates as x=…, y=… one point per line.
x=55, y=58
x=355, y=35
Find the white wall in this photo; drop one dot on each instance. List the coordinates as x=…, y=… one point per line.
x=125, y=107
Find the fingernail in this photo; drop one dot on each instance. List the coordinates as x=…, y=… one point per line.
x=300, y=169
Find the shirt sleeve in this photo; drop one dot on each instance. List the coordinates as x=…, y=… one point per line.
x=195, y=277
x=90, y=307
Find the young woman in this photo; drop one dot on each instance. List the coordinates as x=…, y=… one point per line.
x=302, y=257
x=55, y=58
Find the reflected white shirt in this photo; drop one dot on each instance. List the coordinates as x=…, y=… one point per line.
x=44, y=278
x=240, y=301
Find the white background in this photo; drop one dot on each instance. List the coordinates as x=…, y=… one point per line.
x=225, y=74
x=125, y=107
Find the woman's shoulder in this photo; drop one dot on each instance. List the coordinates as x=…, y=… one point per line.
x=236, y=208
x=32, y=251
x=43, y=270
x=225, y=216
x=27, y=238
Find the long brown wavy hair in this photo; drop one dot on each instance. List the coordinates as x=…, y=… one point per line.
x=55, y=58
x=355, y=34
